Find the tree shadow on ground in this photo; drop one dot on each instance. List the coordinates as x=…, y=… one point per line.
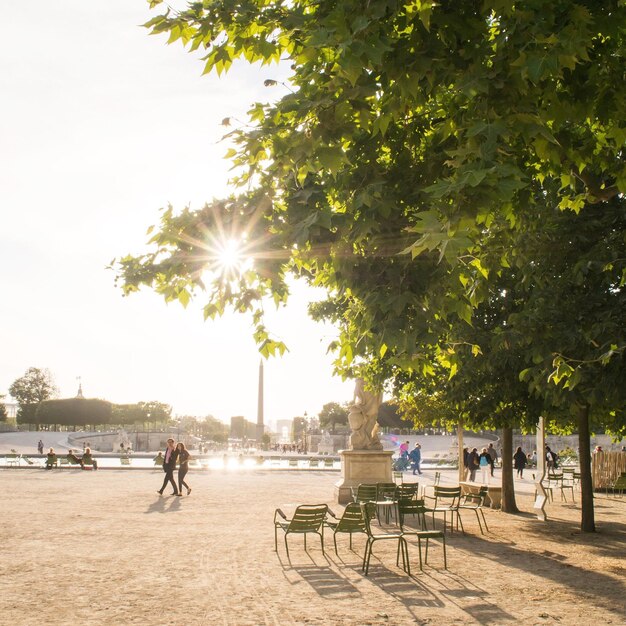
x=471, y=599
x=550, y=565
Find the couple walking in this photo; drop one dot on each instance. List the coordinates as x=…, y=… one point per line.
x=173, y=454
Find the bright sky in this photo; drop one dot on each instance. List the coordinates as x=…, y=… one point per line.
x=101, y=125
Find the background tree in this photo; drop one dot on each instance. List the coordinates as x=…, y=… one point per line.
x=4, y=416
x=35, y=386
x=333, y=414
x=389, y=416
x=74, y=412
x=157, y=412
x=128, y=414
x=213, y=429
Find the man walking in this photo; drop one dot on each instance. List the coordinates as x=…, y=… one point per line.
x=473, y=463
x=169, y=465
x=493, y=455
x=416, y=458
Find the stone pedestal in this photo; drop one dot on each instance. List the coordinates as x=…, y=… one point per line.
x=362, y=466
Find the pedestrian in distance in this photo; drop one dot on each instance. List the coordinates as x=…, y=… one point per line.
x=416, y=458
x=551, y=459
x=404, y=449
x=183, y=467
x=73, y=459
x=484, y=461
x=51, y=459
x=88, y=459
x=473, y=462
x=519, y=461
x=494, y=456
x=169, y=465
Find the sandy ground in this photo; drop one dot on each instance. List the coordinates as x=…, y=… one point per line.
x=103, y=548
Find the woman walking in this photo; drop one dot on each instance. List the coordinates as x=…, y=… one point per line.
x=484, y=461
x=519, y=461
x=183, y=468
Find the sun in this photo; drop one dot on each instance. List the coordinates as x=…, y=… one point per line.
x=230, y=255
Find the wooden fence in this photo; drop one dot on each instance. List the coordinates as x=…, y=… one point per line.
x=606, y=467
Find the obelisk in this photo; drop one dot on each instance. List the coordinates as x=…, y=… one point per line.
x=259, y=413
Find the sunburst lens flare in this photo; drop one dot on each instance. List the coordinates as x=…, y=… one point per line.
x=230, y=256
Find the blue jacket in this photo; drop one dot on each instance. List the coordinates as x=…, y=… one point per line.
x=415, y=455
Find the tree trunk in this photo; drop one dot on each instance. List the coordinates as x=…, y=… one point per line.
x=508, y=488
x=587, y=521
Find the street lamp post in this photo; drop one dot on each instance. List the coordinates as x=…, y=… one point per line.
x=304, y=431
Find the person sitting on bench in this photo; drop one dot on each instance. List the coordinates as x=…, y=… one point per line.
x=73, y=459
x=51, y=459
x=88, y=459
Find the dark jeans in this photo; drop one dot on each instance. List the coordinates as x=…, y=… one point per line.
x=169, y=478
x=182, y=472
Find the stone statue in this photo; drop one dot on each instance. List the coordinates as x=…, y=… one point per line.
x=363, y=418
x=121, y=441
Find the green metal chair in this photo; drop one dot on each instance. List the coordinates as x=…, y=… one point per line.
x=329, y=463
x=351, y=522
x=51, y=461
x=386, y=500
x=423, y=534
x=307, y=518
x=407, y=490
x=13, y=459
x=365, y=493
x=619, y=484
x=314, y=462
x=373, y=538
x=408, y=504
x=446, y=501
x=476, y=502
x=555, y=481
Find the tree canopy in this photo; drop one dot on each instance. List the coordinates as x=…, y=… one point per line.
x=74, y=412
x=332, y=415
x=35, y=386
x=428, y=164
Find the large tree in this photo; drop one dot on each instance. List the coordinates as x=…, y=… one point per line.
x=35, y=386
x=333, y=414
x=415, y=145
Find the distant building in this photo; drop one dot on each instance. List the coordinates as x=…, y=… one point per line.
x=11, y=408
x=241, y=428
x=298, y=428
x=283, y=430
